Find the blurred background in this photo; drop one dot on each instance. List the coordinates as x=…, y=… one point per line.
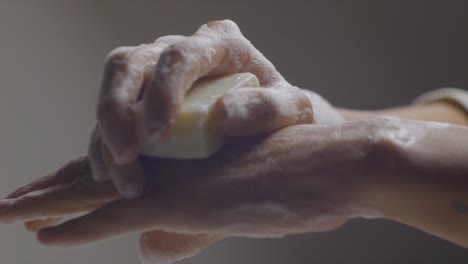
x=362, y=54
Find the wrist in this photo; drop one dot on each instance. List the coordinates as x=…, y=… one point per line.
x=387, y=170
x=351, y=167
x=412, y=157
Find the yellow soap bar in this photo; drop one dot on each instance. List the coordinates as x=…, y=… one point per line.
x=193, y=134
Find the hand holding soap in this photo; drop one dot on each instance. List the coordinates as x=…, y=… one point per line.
x=193, y=135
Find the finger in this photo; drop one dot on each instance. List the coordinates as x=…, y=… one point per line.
x=153, y=57
x=96, y=161
x=128, y=178
x=72, y=170
x=252, y=111
x=126, y=173
x=115, y=218
x=217, y=48
x=179, y=66
x=166, y=248
x=79, y=196
x=125, y=72
x=35, y=225
x=165, y=41
x=115, y=113
x=241, y=55
x=106, y=156
x=112, y=219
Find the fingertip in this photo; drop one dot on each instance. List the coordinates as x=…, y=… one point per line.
x=6, y=204
x=98, y=172
x=221, y=115
x=128, y=179
x=232, y=106
x=35, y=225
x=125, y=155
x=30, y=226
x=129, y=187
x=53, y=236
x=154, y=127
x=253, y=111
x=100, y=177
x=96, y=159
x=45, y=236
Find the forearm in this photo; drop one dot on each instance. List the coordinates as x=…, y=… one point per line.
x=434, y=208
x=443, y=111
x=428, y=186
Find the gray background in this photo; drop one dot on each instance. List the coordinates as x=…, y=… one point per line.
x=362, y=54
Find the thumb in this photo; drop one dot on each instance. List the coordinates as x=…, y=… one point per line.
x=253, y=111
x=165, y=248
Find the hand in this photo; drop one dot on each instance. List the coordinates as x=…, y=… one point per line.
x=250, y=188
x=132, y=72
x=161, y=73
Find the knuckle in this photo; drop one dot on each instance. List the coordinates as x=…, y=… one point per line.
x=224, y=30
x=225, y=25
x=174, y=53
x=174, y=56
x=118, y=58
x=144, y=55
x=169, y=39
x=229, y=24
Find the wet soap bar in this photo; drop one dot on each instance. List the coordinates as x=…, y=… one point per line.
x=193, y=134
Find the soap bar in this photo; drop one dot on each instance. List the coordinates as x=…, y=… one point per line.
x=193, y=135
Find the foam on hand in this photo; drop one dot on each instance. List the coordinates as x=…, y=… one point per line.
x=193, y=135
